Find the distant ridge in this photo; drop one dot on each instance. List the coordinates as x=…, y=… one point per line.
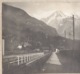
x=63, y=22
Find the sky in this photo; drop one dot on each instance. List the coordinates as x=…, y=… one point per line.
x=44, y=8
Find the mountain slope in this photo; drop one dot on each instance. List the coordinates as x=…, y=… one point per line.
x=68, y=27
x=64, y=23
x=21, y=18
x=18, y=28
x=54, y=19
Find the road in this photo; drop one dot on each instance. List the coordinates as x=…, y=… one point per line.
x=59, y=63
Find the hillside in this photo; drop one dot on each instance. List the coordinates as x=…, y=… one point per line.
x=18, y=28
x=21, y=18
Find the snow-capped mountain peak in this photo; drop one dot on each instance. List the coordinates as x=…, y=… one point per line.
x=63, y=22
x=58, y=15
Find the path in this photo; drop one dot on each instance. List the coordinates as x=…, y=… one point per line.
x=59, y=63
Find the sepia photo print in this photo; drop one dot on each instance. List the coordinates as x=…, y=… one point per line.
x=41, y=37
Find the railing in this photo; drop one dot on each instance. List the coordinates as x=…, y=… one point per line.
x=22, y=59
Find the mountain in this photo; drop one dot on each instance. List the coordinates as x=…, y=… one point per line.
x=68, y=27
x=64, y=24
x=18, y=27
x=54, y=19
x=19, y=17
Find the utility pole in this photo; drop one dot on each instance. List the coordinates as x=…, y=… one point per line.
x=73, y=34
x=73, y=29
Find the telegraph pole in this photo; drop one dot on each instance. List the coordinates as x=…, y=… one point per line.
x=73, y=34
x=73, y=29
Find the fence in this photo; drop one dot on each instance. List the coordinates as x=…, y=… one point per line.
x=22, y=59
